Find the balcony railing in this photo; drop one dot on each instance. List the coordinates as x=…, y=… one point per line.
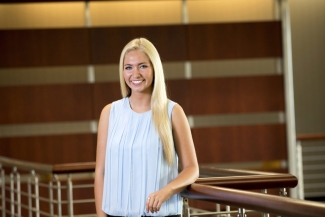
x=32, y=189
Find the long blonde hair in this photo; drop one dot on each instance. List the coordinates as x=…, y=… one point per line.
x=159, y=100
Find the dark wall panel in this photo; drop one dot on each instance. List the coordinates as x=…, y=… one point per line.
x=45, y=103
x=105, y=93
x=54, y=149
x=240, y=143
x=236, y=94
x=108, y=42
x=44, y=47
x=234, y=40
x=177, y=90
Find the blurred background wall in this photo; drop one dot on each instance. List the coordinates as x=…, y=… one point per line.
x=62, y=94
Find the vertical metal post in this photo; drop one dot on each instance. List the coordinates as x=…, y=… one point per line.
x=3, y=194
x=264, y=191
x=70, y=196
x=283, y=192
x=36, y=190
x=289, y=91
x=30, y=204
x=241, y=212
x=18, y=194
x=218, y=209
x=12, y=192
x=58, y=184
x=51, y=198
x=228, y=210
x=300, y=176
x=186, y=209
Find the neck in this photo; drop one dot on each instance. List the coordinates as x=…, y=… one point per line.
x=140, y=102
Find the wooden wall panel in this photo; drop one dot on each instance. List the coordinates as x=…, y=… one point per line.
x=44, y=47
x=234, y=40
x=45, y=103
x=105, y=93
x=108, y=42
x=240, y=143
x=236, y=94
x=177, y=90
x=54, y=149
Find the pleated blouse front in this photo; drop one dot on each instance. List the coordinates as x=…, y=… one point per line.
x=135, y=165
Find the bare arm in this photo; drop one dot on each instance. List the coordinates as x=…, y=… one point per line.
x=187, y=156
x=100, y=159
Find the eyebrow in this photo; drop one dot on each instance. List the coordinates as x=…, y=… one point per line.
x=128, y=64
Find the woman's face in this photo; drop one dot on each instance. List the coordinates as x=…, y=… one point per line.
x=138, y=72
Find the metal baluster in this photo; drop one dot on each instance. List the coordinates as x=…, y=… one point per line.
x=241, y=212
x=186, y=209
x=283, y=192
x=228, y=210
x=12, y=193
x=18, y=193
x=30, y=204
x=3, y=194
x=59, y=201
x=51, y=198
x=36, y=190
x=70, y=196
x=264, y=191
x=218, y=209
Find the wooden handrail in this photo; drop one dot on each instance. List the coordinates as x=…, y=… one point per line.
x=251, y=182
x=316, y=136
x=283, y=206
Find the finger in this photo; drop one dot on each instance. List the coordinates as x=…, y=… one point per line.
x=158, y=206
x=147, y=204
x=155, y=205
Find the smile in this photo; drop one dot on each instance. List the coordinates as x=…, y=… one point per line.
x=136, y=82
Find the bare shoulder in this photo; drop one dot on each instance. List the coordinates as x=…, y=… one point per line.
x=106, y=111
x=178, y=114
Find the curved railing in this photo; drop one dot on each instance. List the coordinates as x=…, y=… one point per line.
x=230, y=188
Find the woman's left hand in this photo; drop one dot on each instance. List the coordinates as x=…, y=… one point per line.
x=156, y=199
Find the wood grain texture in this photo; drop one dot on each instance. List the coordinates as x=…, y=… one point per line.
x=103, y=45
x=45, y=103
x=236, y=94
x=53, y=149
x=44, y=47
x=108, y=42
x=234, y=40
x=240, y=143
x=105, y=93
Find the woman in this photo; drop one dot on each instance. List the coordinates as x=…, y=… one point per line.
x=140, y=139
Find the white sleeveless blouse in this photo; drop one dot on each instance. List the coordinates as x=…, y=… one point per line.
x=135, y=165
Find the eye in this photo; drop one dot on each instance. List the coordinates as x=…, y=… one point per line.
x=143, y=66
x=127, y=68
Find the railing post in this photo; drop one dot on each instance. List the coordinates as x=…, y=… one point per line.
x=36, y=190
x=51, y=198
x=30, y=203
x=241, y=212
x=59, y=201
x=3, y=192
x=283, y=192
x=12, y=191
x=264, y=191
x=70, y=196
x=186, y=209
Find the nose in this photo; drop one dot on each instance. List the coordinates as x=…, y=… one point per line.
x=136, y=73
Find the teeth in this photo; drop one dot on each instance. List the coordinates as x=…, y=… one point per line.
x=136, y=82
